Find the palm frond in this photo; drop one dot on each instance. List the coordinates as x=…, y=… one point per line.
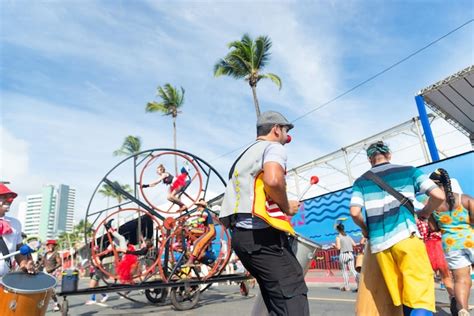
x=262, y=52
x=156, y=107
x=131, y=145
x=276, y=80
x=229, y=68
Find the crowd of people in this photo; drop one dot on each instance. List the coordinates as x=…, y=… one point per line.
x=409, y=244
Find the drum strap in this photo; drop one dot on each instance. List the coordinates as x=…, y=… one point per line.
x=4, y=250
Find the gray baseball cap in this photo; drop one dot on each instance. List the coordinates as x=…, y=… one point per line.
x=273, y=118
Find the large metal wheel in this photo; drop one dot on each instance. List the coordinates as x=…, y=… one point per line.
x=139, y=213
x=106, y=252
x=185, y=297
x=156, y=296
x=175, y=250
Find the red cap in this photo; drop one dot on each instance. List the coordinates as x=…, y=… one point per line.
x=51, y=242
x=4, y=190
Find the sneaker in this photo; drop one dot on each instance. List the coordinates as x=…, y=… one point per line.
x=463, y=312
x=91, y=302
x=104, y=299
x=56, y=308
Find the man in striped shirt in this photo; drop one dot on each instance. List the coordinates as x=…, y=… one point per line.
x=392, y=231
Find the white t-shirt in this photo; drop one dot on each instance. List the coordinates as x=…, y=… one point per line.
x=275, y=152
x=11, y=240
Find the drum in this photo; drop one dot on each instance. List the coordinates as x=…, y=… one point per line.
x=23, y=294
x=304, y=250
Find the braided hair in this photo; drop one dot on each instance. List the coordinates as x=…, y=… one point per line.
x=441, y=176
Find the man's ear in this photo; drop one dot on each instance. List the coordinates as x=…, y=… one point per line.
x=276, y=130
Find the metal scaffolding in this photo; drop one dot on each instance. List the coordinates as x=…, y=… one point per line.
x=339, y=169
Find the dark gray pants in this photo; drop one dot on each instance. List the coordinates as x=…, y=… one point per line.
x=266, y=255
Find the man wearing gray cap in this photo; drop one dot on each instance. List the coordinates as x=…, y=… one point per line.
x=256, y=209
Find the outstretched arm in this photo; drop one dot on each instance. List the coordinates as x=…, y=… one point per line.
x=161, y=178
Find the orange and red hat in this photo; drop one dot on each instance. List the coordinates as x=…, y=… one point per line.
x=7, y=193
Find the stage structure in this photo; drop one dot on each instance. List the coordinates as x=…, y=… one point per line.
x=452, y=99
x=412, y=142
x=340, y=168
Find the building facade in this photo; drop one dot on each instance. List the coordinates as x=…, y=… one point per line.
x=49, y=213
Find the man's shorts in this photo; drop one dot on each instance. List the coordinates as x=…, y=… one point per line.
x=458, y=259
x=407, y=272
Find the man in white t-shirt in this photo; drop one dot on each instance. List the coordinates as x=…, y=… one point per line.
x=10, y=233
x=259, y=241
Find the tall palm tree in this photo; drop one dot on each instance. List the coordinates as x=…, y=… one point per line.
x=246, y=60
x=171, y=100
x=131, y=145
x=107, y=192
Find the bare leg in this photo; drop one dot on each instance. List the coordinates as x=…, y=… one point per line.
x=174, y=199
x=462, y=286
x=447, y=281
x=119, y=240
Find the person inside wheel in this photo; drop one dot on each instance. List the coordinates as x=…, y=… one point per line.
x=200, y=247
x=177, y=185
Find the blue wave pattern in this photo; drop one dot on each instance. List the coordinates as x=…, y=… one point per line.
x=319, y=216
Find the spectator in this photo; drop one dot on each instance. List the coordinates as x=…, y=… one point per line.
x=455, y=218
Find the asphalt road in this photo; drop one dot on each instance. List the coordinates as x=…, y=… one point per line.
x=226, y=300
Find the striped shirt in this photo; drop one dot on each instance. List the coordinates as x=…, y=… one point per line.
x=389, y=222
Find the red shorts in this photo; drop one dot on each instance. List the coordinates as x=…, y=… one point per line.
x=179, y=183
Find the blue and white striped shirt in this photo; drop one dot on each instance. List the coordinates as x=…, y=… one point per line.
x=389, y=222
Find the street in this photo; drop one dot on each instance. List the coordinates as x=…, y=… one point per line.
x=226, y=299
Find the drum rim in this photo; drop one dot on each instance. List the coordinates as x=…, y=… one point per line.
x=307, y=241
x=35, y=291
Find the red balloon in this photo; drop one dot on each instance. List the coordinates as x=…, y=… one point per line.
x=314, y=179
x=288, y=139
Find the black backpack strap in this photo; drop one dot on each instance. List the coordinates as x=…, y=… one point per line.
x=386, y=187
x=5, y=251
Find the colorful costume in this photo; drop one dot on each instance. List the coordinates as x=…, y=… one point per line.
x=263, y=250
x=206, y=238
x=127, y=265
x=433, y=247
x=179, y=182
x=457, y=236
x=393, y=234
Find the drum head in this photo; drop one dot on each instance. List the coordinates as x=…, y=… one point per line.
x=20, y=282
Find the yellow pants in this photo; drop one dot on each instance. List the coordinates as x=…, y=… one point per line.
x=408, y=274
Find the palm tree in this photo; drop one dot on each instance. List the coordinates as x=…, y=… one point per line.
x=171, y=100
x=246, y=60
x=108, y=191
x=131, y=145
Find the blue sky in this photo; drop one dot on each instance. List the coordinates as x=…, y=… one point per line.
x=76, y=76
